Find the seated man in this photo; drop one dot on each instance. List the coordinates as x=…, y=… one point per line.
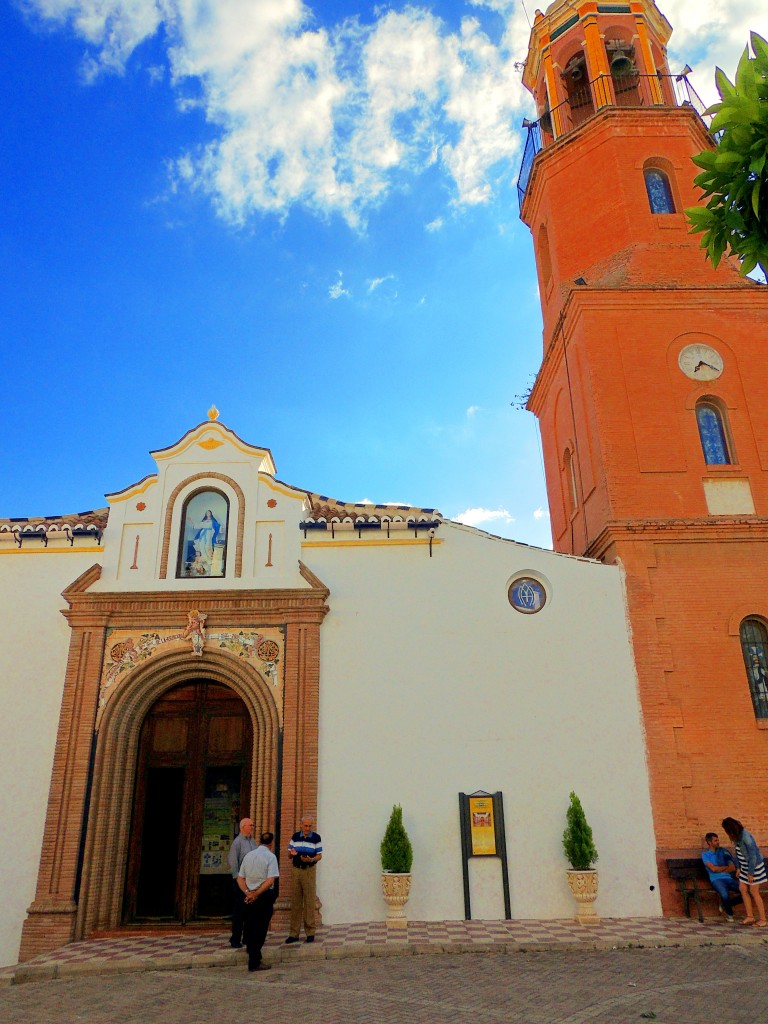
x=721, y=869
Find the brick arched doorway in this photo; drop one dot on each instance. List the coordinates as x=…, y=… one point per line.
x=193, y=781
x=105, y=893
x=81, y=882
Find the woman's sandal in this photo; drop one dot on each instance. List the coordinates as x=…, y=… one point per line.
x=761, y=924
x=748, y=920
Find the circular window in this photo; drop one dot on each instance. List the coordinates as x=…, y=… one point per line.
x=527, y=595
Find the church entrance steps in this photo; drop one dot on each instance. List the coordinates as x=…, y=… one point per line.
x=129, y=951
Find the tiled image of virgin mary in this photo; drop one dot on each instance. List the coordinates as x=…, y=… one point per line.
x=203, y=550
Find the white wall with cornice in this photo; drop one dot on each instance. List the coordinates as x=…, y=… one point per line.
x=432, y=684
x=33, y=661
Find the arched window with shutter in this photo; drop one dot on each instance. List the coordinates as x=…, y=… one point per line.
x=754, y=647
x=659, y=191
x=713, y=433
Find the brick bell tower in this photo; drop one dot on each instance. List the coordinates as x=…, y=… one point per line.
x=653, y=403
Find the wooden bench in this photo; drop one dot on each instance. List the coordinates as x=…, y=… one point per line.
x=693, y=882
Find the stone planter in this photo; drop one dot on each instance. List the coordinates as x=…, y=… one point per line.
x=584, y=888
x=396, y=889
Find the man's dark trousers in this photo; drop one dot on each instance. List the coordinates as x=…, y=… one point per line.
x=257, y=916
x=238, y=906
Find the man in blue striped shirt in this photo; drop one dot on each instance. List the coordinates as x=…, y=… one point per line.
x=305, y=849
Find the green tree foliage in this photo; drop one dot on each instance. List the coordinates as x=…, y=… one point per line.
x=396, y=849
x=735, y=175
x=578, y=844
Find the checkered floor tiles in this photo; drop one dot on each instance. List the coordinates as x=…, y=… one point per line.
x=142, y=951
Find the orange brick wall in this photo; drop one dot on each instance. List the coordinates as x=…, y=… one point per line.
x=611, y=391
x=691, y=577
x=708, y=756
x=595, y=209
x=633, y=421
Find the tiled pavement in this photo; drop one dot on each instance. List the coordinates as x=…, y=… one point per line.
x=128, y=952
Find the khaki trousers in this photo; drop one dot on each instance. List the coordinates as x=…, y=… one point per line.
x=302, y=901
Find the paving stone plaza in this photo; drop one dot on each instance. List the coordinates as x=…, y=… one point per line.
x=536, y=972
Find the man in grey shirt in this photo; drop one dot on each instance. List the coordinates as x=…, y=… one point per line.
x=242, y=843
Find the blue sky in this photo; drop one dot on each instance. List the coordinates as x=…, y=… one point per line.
x=305, y=214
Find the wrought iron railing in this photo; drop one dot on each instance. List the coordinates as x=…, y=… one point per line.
x=630, y=90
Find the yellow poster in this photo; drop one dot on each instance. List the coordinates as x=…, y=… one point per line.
x=481, y=826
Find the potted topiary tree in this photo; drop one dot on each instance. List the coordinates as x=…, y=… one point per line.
x=581, y=852
x=396, y=860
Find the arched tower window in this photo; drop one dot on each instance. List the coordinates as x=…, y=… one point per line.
x=712, y=433
x=659, y=191
x=624, y=75
x=576, y=81
x=754, y=647
x=203, y=535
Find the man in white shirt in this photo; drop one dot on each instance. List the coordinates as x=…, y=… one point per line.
x=257, y=877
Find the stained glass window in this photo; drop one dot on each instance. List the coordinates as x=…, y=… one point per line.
x=712, y=433
x=659, y=191
x=754, y=647
x=527, y=595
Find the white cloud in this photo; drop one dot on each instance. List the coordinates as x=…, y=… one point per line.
x=472, y=409
x=400, y=504
x=114, y=28
x=711, y=32
x=329, y=118
x=333, y=119
x=540, y=513
x=476, y=516
x=502, y=6
x=374, y=282
x=337, y=289
x=368, y=501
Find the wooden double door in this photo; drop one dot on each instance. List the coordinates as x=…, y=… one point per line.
x=192, y=788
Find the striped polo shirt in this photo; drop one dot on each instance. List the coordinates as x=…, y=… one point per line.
x=304, y=846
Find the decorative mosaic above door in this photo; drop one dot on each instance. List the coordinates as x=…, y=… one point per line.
x=128, y=648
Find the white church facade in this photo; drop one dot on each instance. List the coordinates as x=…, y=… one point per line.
x=218, y=643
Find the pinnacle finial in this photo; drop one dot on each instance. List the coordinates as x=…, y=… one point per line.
x=213, y=413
